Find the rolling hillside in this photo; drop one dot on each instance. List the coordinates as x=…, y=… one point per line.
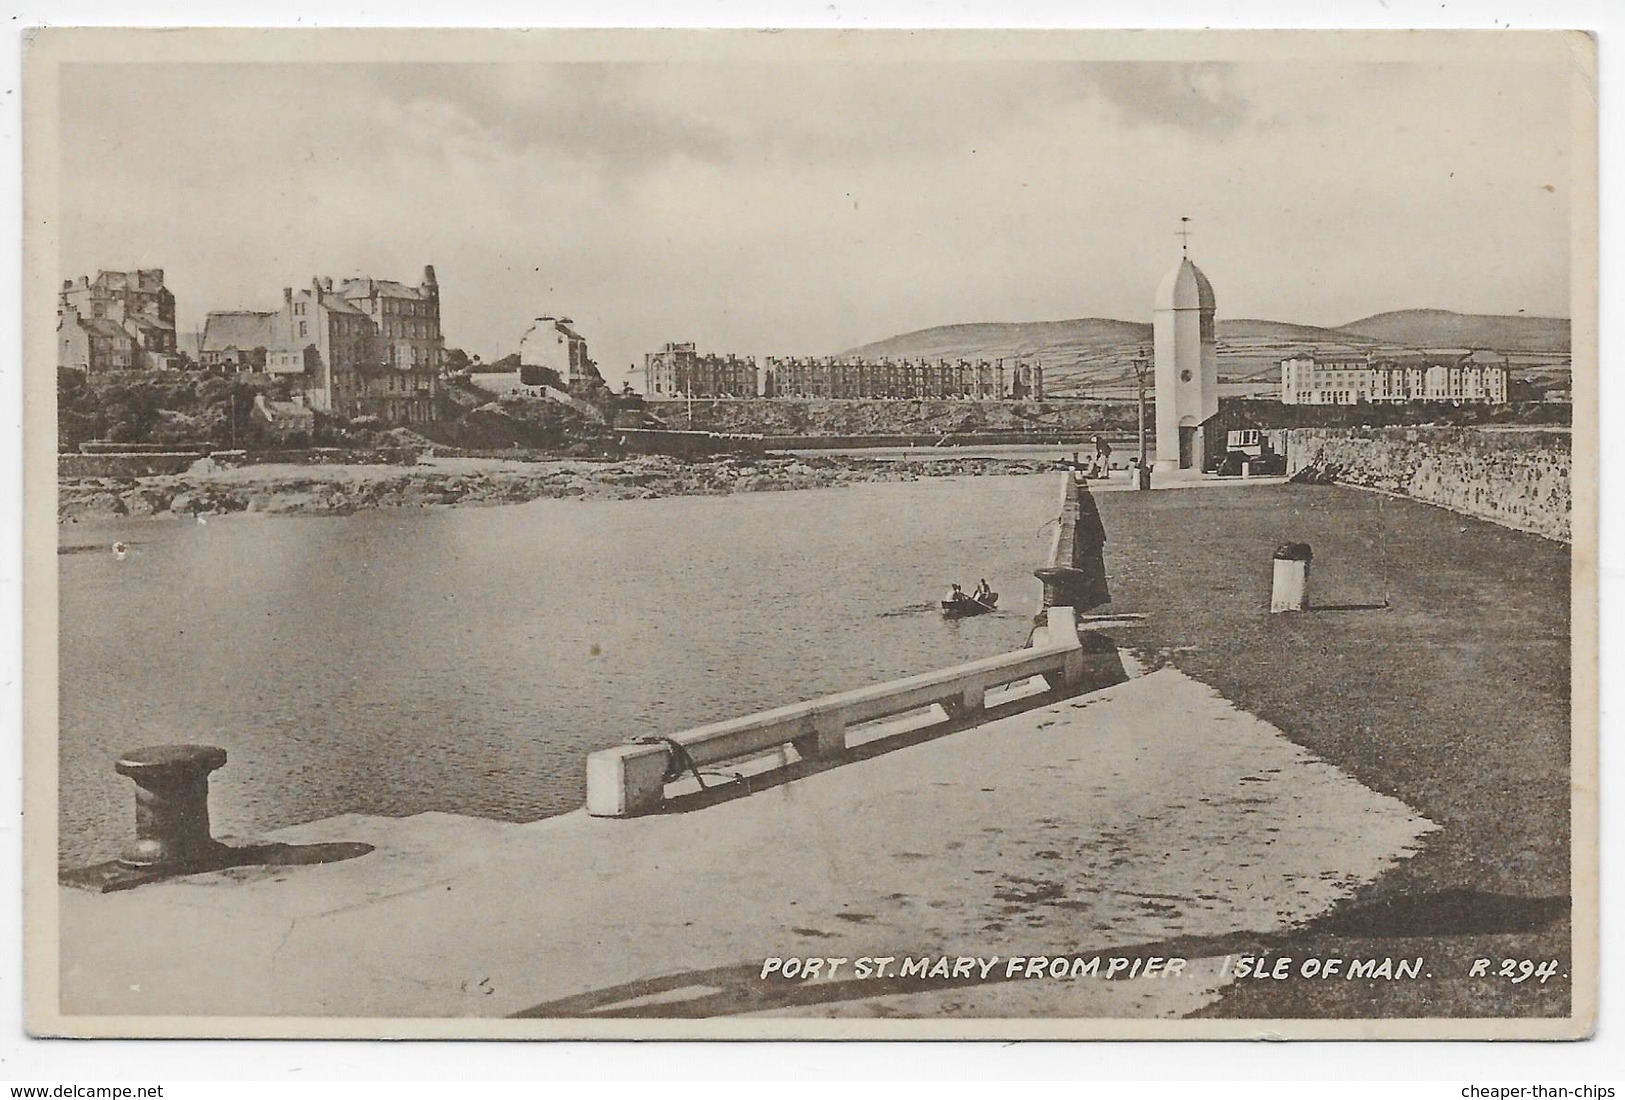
x=1440, y=328
x=1092, y=354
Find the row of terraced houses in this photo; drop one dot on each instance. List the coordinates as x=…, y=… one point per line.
x=678, y=370
x=359, y=347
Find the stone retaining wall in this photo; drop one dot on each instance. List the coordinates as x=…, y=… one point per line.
x=125, y=465
x=1519, y=479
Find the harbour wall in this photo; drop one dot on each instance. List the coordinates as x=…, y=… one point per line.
x=147, y=463
x=1518, y=479
x=135, y=464
x=944, y=440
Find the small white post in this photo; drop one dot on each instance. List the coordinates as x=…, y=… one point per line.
x=1061, y=628
x=1290, y=591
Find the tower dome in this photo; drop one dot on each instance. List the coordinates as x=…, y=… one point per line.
x=1185, y=288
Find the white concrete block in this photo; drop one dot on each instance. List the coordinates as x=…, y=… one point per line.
x=626, y=780
x=1062, y=625
x=1291, y=587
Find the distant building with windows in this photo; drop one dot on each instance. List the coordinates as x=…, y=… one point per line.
x=678, y=370
x=552, y=344
x=365, y=347
x=120, y=320
x=237, y=340
x=407, y=319
x=859, y=378
x=1455, y=377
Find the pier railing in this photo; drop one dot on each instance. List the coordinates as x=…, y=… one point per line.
x=631, y=779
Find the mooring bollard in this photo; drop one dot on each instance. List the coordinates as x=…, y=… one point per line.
x=171, y=803
x=1291, y=589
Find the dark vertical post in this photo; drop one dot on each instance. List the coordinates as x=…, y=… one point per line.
x=1143, y=472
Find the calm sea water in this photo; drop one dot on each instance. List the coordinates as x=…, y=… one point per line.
x=468, y=659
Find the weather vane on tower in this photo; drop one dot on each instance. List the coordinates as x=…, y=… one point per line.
x=1185, y=236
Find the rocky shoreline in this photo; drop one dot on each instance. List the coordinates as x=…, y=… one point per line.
x=343, y=489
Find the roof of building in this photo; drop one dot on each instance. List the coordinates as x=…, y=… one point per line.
x=239, y=329
x=1185, y=288
x=1421, y=360
x=336, y=303
x=383, y=288
x=103, y=326
x=1332, y=355
x=555, y=324
x=284, y=412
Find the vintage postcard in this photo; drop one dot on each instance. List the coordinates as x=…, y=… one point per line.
x=811, y=534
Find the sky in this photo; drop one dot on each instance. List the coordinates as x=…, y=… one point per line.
x=778, y=208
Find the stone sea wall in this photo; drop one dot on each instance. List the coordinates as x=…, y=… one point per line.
x=151, y=464
x=1518, y=479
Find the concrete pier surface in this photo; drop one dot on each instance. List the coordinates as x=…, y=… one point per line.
x=1151, y=819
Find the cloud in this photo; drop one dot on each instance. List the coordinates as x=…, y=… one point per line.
x=800, y=208
x=1198, y=98
x=611, y=114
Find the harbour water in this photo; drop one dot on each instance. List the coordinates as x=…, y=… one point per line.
x=468, y=659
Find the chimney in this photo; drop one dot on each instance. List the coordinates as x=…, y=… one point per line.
x=428, y=276
x=287, y=295
x=327, y=283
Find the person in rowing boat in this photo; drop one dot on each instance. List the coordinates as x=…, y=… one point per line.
x=983, y=593
x=955, y=594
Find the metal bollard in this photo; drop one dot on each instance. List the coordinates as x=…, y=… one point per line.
x=1291, y=588
x=171, y=804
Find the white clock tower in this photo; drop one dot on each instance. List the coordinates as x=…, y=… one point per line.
x=1186, y=365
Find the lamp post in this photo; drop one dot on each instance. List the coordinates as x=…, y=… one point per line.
x=1142, y=366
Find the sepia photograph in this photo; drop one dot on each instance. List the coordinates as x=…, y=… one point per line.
x=677, y=534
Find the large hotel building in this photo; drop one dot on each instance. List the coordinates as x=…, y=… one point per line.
x=1463, y=378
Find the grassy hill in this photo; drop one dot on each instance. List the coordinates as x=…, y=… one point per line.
x=994, y=341
x=1440, y=328
x=1095, y=354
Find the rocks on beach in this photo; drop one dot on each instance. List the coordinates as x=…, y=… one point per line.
x=342, y=489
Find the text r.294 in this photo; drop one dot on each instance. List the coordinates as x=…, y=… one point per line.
x=1514, y=970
